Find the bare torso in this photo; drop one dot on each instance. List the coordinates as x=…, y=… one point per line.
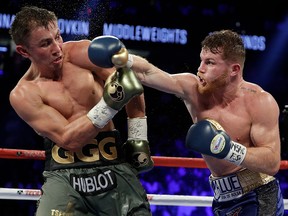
x=247, y=113
x=236, y=122
x=76, y=92
x=48, y=103
x=234, y=116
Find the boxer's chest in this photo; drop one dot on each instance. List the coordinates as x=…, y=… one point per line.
x=72, y=95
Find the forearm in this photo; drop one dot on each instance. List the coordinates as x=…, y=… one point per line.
x=136, y=107
x=154, y=77
x=74, y=135
x=262, y=159
x=142, y=68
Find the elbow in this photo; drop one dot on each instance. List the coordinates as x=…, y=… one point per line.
x=274, y=168
x=273, y=172
x=273, y=162
x=65, y=139
x=71, y=146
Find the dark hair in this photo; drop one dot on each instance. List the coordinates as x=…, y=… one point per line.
x=228, y=43
x=27, y=19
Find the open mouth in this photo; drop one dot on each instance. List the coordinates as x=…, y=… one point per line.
x=58, y=60
x=202, y=81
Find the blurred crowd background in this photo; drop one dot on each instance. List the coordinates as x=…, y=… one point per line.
x=168, y=119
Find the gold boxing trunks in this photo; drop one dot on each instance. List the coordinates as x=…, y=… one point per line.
x=237, y=184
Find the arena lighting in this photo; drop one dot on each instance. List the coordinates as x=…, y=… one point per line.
x=254, y=42
x=6, y=20
x=73, y=27
x=146, y=33
x=3, y=49
x=151, y=34
x=267, y=65
x=69, y=27
x=155, y=34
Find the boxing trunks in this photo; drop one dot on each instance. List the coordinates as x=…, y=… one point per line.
x=246, y=193
x=94, y=181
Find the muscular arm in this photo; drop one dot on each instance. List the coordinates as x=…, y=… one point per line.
x=265, y=156
x=48, y=122
x=156, y=78
x=70, y=130
x=78, y=55
x=136, y=107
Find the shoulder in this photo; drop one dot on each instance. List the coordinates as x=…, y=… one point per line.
x=76, y=44
x=76, y=52
x=185, y=78
x=75, y=48
x=187, y=82
x=24, y=91
x=258, y=100
x=256, y=92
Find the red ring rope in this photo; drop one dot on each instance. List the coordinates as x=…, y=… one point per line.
x=158, y=160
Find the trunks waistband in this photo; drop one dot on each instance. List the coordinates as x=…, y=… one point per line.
x=238, y=184
x=104, y=150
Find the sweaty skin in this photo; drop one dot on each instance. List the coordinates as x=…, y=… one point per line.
x=247, y=112
x=60, y=87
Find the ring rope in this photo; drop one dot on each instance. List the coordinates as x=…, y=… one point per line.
x=154, y=199
x=158, y=160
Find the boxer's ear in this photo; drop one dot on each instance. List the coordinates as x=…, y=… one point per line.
x=22, y=51
x=236, y=68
